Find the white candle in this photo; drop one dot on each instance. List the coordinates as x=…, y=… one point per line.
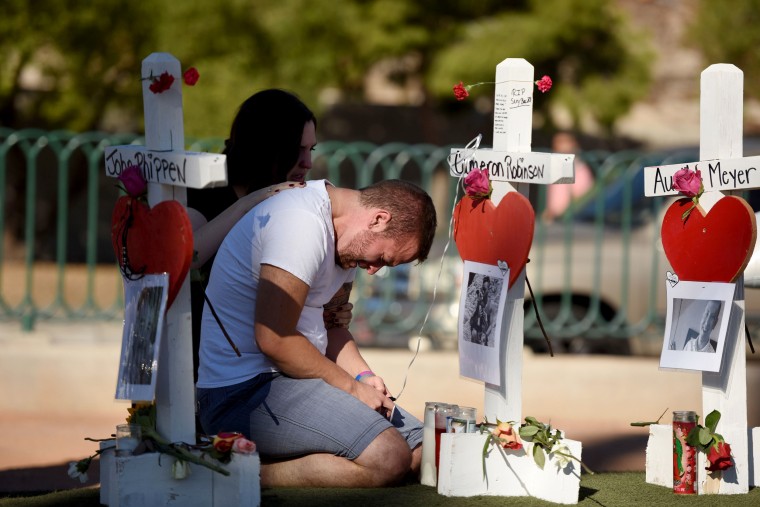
x=428, y=472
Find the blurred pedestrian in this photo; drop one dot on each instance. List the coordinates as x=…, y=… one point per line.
x=560, y=196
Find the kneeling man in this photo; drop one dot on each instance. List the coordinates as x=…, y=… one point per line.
x=303, y=392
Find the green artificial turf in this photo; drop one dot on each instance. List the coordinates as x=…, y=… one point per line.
x=604, y=489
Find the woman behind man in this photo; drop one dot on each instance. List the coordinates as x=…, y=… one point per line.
x=269, y=150
x=270, y=142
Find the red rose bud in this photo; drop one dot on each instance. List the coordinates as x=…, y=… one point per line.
x=460, y=92
x=544, y=84
x=508, y=437
x=191, y=76
x=133, y=181
x=719, y=457
x=688, y=182
x=477, y=185
x=243, y=446
x=223, y=441
x=161, y=83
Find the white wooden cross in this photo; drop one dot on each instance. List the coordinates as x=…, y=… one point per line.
x=168, y=170
x=723, y=169
x=146, y=479
x=510, y=160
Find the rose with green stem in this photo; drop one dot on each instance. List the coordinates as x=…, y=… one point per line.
x=545, y=442
x=706, y=440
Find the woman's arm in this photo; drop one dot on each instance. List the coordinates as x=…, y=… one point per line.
x=207, y=236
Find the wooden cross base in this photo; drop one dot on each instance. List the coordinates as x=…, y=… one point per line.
x=137, y=481
x=508, y=473
x=659, y=466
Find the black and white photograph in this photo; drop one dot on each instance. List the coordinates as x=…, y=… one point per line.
x=697, y=322
x=480, y=314
x=481, y=308
x=696, y=335
x=146, y=300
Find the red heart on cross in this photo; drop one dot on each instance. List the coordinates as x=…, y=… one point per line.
x=712, y=247
x=158, y=239
x=487, y=234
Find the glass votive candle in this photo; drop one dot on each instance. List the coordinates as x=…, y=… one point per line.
x=128, y=437
x=443, y=411
x=463, y=420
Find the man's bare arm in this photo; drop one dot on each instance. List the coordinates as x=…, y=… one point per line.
x=279, y=303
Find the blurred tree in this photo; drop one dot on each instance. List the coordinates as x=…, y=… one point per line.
x=599, y=66
x=727, y=35
x=86, y=57
x=69, y=64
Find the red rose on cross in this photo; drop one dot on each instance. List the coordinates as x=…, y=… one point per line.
x=133, y=181
x=688, y=182
x=161, y=83
x=462, y=91
x=477, y=185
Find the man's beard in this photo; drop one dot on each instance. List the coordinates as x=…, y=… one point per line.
x=354, y=251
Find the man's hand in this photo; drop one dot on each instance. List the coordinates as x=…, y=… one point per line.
x=372, y=397
x=338, y=316
x=337, y=311
x=378, y=383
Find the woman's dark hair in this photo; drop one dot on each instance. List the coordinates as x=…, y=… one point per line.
x=265, y=139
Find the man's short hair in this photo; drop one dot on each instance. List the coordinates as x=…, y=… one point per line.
x=411, y=208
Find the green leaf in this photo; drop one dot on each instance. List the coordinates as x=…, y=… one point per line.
x=647, y=423
x=705, y=436
x=693, y=437
x=538, y=456
x=711, y=421
x=528, y=431
x=533, y=421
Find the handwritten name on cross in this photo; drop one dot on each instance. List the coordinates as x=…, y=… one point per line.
x=717, y=175
x=531, y=167
x=168, y=170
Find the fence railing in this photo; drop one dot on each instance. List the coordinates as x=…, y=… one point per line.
x=597, y=270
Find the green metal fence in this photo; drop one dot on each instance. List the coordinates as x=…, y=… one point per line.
x=597, y=271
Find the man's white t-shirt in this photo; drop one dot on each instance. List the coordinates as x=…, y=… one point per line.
x=292, y=231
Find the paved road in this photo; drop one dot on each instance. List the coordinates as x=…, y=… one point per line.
x=57, y=386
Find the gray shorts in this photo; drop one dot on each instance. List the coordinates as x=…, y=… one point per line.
x=289, y=417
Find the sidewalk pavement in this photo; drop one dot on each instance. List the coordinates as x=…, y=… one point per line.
x=57, y=387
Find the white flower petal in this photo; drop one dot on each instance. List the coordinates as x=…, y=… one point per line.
x=180, y=469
